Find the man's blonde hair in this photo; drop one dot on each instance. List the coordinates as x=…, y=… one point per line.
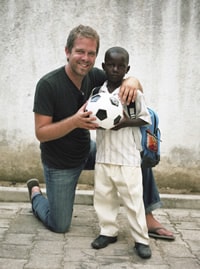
x=82, y=31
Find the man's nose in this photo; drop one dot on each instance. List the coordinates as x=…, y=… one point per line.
x=85, y=56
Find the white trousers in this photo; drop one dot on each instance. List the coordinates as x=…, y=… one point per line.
x=111, y=180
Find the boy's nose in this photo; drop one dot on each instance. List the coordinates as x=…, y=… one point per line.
x=115, y=68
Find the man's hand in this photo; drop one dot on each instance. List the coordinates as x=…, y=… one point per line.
x=82, y=119
x=128, y=90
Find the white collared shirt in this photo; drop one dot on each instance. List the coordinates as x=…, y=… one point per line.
x=122, y=147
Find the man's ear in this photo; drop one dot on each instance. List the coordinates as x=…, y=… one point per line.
x=67, y=53
x=128, y=68
x=66, y=50
x=103, y=66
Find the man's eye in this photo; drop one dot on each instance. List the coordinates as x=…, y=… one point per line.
x=92, y=54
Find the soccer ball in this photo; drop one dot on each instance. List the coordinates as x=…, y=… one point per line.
x=106, y=108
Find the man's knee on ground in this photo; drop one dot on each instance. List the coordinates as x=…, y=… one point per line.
x=60, y=229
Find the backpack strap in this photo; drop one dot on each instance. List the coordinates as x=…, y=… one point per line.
x=155, y=121
x=131, y=109
x=96, y=90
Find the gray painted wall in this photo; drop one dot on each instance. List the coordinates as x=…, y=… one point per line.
x=162, y=37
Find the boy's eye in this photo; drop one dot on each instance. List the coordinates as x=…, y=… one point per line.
x=118, y=66
x=110, y=65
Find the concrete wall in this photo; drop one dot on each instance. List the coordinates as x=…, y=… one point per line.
x=162, y=37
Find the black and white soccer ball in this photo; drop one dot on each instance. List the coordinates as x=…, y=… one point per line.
x=107, y=109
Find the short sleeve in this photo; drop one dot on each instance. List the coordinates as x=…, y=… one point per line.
x=44, y=98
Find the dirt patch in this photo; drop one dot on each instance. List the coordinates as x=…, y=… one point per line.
x=42, y=185
x=166, y=190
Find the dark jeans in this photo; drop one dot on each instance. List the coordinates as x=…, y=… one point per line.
x=151, y=195
x=56, y=211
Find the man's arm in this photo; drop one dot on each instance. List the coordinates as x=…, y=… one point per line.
x=46, y=130
x=128, y=90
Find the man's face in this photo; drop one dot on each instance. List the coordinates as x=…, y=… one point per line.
x=82, y=57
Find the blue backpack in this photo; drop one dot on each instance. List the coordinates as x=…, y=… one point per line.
x=151, y=142
x=150, y=154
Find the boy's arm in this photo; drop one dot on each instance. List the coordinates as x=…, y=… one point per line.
x=128, y=122
x=137, y=115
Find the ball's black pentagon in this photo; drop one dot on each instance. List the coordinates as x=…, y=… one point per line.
x=101, y=114
x=117, y=120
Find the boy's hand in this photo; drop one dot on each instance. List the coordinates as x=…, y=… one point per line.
x=124, y=122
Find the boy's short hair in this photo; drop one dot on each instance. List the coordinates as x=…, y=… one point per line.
x=118, y=50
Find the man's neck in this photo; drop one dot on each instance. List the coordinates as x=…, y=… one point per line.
x=76, y=79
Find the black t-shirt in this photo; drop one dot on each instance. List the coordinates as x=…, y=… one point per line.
x=58, y=97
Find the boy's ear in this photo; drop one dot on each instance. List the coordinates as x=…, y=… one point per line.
x=103, y=66
x=128, y=68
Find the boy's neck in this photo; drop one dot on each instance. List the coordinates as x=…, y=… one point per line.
x=112, y=86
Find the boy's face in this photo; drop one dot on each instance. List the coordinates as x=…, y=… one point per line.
x=116, y=66
x=82, y=57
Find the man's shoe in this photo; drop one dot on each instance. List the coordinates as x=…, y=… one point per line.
x=143, y=251
x=103, y=241
x=33, y=182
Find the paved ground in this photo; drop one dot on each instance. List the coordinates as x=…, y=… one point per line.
x=25, y=243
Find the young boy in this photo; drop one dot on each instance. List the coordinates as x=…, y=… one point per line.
x=117, y=168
